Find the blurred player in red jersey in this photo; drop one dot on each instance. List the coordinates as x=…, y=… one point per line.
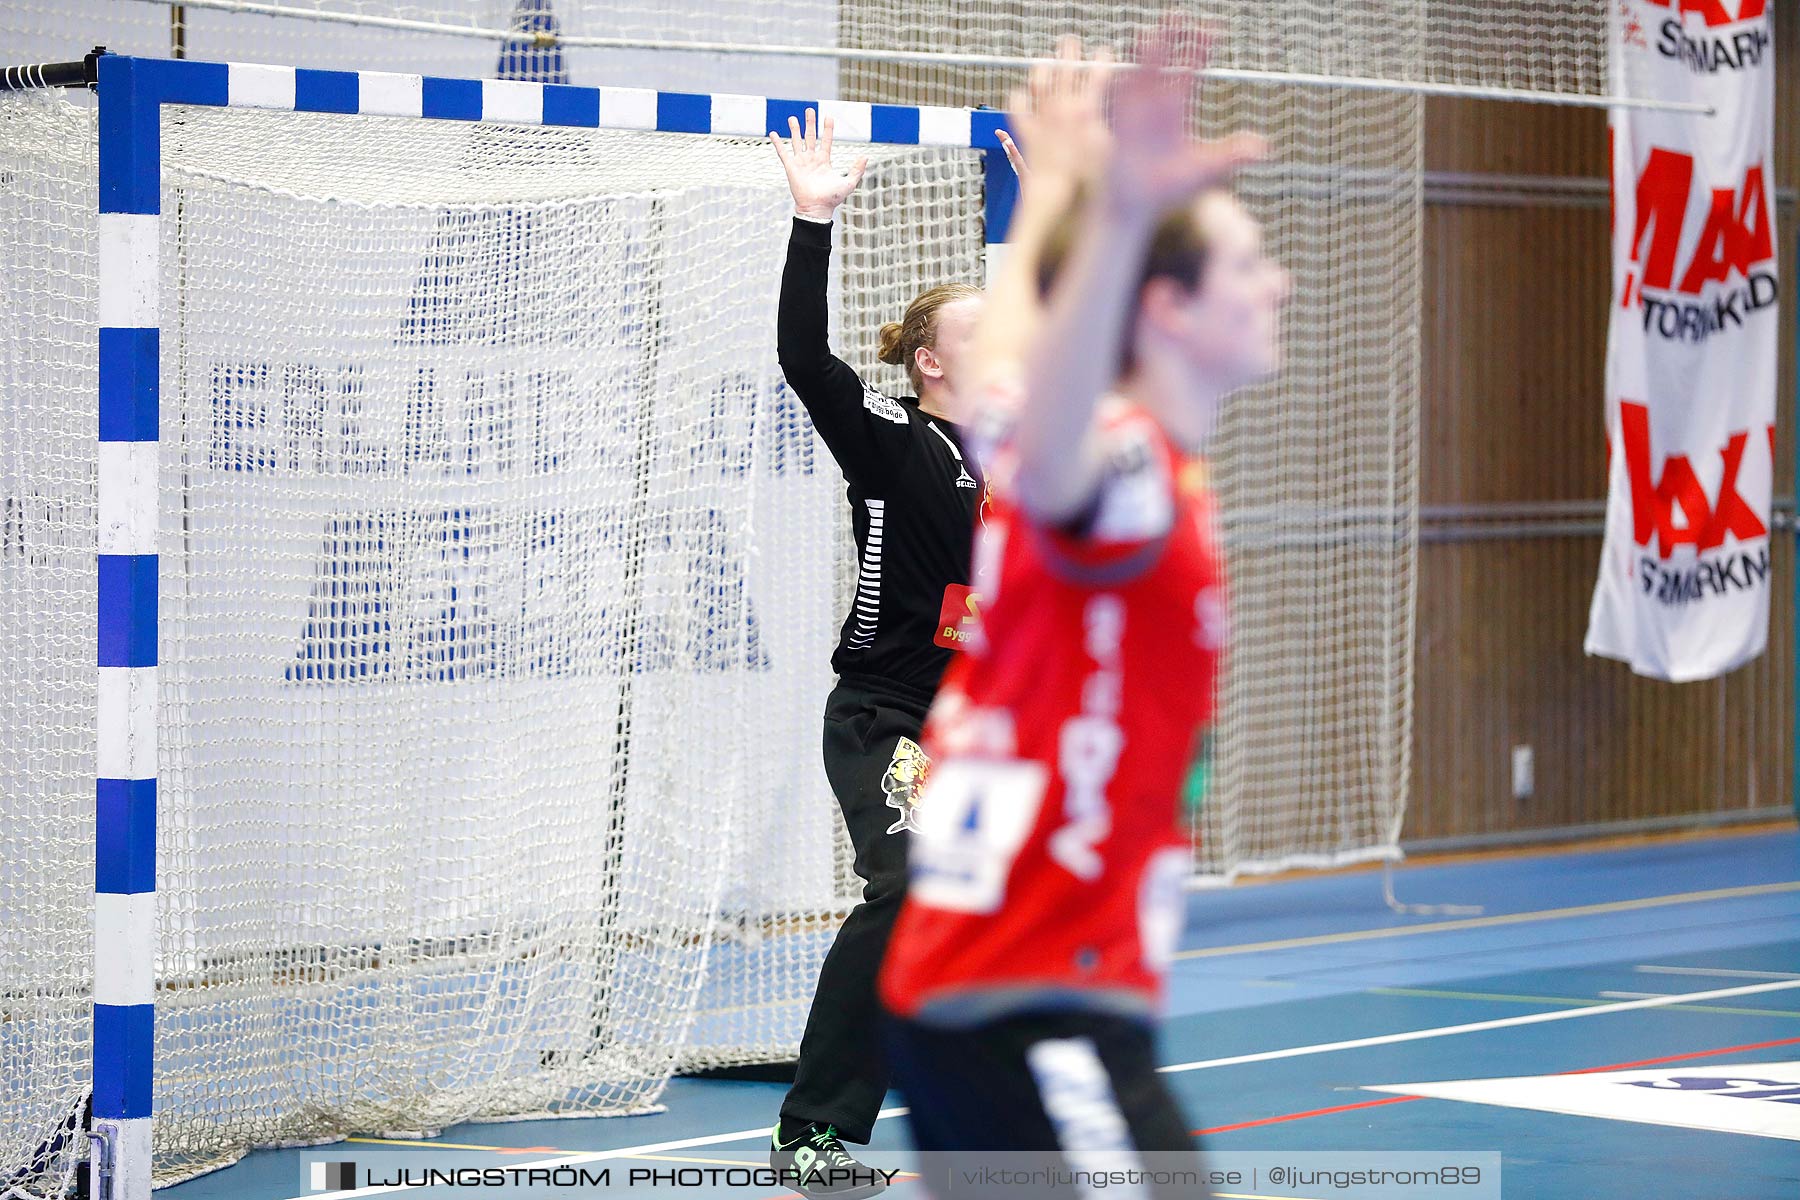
x=1025, y=972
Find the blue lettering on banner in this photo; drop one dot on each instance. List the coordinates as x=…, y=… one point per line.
x=1777, y=1090
x=495, y=422
x=459, y=593
x=451, y=593
x=722, y=446
x=739, y=428
x=790, y=437
x=289, y=417
x=1708, y=55
x=1717, y=575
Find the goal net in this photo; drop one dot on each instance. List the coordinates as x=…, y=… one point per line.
x=499, y=578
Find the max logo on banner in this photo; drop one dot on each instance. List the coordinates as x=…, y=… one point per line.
x=1738, y=238
x=1713, y=12
x=1656, y=499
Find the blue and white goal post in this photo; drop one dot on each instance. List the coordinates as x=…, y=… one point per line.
x=132, y=92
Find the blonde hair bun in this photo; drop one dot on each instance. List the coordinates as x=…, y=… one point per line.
x=889, y=349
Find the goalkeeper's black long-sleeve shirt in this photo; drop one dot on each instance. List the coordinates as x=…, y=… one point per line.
x=914, y=491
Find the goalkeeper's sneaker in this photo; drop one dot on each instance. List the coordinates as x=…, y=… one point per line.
x=817, y=1166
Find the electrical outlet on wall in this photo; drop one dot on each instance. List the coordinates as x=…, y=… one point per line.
x=1523, y=781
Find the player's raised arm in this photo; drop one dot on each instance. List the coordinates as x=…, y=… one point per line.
x=862, y=442
x=1061, y=115
x=1067, y=352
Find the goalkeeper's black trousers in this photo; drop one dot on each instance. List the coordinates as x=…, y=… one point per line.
x=842, y=1074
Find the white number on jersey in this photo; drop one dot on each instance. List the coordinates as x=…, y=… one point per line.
x=972, y=822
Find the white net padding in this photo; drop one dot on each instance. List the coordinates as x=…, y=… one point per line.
x=1317, y=470
x=500, y=575
x=1539, y=45
x=1317, y=474
x=1545, y=45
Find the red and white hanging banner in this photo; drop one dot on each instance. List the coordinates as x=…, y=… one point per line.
x=1691, y=356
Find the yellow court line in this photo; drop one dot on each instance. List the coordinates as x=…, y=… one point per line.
x=1547, y=914
x=1573, y=1001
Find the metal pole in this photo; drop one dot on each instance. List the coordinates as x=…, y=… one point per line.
x=49, y=75
x=928, y=58
x=131, y=92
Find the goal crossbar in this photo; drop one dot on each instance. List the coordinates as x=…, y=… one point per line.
x=132, y=92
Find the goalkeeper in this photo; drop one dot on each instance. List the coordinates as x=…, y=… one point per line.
x=914, y=492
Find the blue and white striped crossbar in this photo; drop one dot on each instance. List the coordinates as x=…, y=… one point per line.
x=517, y=102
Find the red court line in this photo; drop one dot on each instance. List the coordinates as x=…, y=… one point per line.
x=1317, y=1112
x=1624, y=1066
x=1651, y=1062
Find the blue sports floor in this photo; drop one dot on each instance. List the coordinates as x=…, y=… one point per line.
x=1292, y=998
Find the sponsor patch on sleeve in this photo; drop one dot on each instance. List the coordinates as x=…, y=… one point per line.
x=882, y=406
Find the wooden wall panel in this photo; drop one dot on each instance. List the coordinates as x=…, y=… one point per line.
x=1513, y=354
x=1513, y=362
x=1500, y=665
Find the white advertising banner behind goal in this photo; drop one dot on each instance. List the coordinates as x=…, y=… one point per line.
x=1683, y=592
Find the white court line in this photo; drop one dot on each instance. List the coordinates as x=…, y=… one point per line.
x=1386, y=1039
x=1630, y=995
x=1723, y=972
x=1499, y=919
x=1560, y=1014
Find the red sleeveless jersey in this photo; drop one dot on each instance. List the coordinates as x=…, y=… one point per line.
x=1047, y=865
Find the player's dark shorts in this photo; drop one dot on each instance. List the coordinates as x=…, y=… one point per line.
x=1075, y=1089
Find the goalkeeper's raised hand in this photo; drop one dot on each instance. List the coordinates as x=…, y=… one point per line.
x=818, y=187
